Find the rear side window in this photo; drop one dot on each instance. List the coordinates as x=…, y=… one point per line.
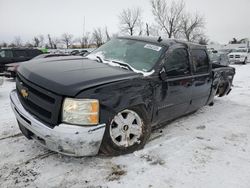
x=200, y=61
x=6, y=54
x=177, y=63
x=20, y=53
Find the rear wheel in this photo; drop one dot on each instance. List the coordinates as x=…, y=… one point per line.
x=222, y=89
x=127, y=131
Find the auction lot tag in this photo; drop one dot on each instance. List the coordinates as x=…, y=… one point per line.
x=152, y=47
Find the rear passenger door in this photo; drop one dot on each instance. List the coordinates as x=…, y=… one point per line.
x=202, y=78
x=177, y=88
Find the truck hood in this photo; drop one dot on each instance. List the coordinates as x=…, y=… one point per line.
x=68, y=77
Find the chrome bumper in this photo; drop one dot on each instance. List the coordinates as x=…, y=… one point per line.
x=66, y=139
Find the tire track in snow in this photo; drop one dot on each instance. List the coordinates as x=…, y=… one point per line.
x=11, y=136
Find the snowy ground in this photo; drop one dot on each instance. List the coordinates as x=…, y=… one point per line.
x=208, y=149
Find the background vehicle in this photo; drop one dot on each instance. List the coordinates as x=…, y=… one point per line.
x=113, y=99
x=240, y=55
x=12, y=67
x=16, y=55
x=219, y=57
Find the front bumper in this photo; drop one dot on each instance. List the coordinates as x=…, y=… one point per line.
x=66, y=139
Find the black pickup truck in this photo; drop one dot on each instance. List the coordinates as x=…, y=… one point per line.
x=110, y=100
x=14, y=55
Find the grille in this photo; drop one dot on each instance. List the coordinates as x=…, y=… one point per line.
x=231, y=56
x=237, y=56
x=41, y=103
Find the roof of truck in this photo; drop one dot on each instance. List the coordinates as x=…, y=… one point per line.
x=164, y=41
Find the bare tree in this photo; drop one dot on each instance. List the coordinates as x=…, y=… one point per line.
x=107, y=34
x=50, y=42
x=41, y=39
x=53, y=42
x=168, y=17
x=98, y=36
x=17, y=41
x=130, y=20
x=3, y=44
x=147, y=29
x=36, y=42
x=67, y=39
x=192, y=27
x=84, y=40
x=152, y=30
x=203, y=40
x=240, y=41
x=56, y=42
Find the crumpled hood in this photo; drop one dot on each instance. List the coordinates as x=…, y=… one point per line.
x=70, y=76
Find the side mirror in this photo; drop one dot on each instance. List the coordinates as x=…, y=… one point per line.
x=163, y=74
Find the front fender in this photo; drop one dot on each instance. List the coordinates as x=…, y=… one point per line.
x=117, y=96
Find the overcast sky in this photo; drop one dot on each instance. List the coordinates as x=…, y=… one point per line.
x=225, y=19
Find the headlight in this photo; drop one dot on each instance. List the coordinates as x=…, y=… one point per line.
x=80, y=111
x=242, y=56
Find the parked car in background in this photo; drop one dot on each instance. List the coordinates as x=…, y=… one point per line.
x=79, y=52
x=14, y=55
x=75, y=52
x=219, y=57
x=84, y=52
x=10, y=70
x=240, y=55
x=110, y=100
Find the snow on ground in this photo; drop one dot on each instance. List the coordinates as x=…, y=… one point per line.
x=208, y=149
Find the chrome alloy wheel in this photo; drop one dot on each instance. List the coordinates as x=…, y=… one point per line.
x=126, y=128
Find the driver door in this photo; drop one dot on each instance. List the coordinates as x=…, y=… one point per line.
x=176, y=89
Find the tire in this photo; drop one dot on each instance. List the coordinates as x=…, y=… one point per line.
x=119, y=138
x=221, y=90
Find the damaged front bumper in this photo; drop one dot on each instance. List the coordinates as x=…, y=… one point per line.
x=66, y=139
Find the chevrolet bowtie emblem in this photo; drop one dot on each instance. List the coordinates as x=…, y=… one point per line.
x=24, y=93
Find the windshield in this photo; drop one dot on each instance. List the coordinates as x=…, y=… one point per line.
x=139, y=55
x=240, y=50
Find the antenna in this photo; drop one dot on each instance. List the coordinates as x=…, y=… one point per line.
x=84, y=26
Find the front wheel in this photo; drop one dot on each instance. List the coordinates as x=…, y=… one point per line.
x=126, y=132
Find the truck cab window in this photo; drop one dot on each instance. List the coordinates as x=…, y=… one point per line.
x=200, y=61
x=20, y=53
x=6, y=54
x=177, y=63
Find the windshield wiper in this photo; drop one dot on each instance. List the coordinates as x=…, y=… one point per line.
x=99, y=58
x=123, y=64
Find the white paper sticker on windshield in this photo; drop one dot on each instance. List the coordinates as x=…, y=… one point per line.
x=152, y=47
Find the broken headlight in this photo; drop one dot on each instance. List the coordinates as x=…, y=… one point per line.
x=80, y=111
